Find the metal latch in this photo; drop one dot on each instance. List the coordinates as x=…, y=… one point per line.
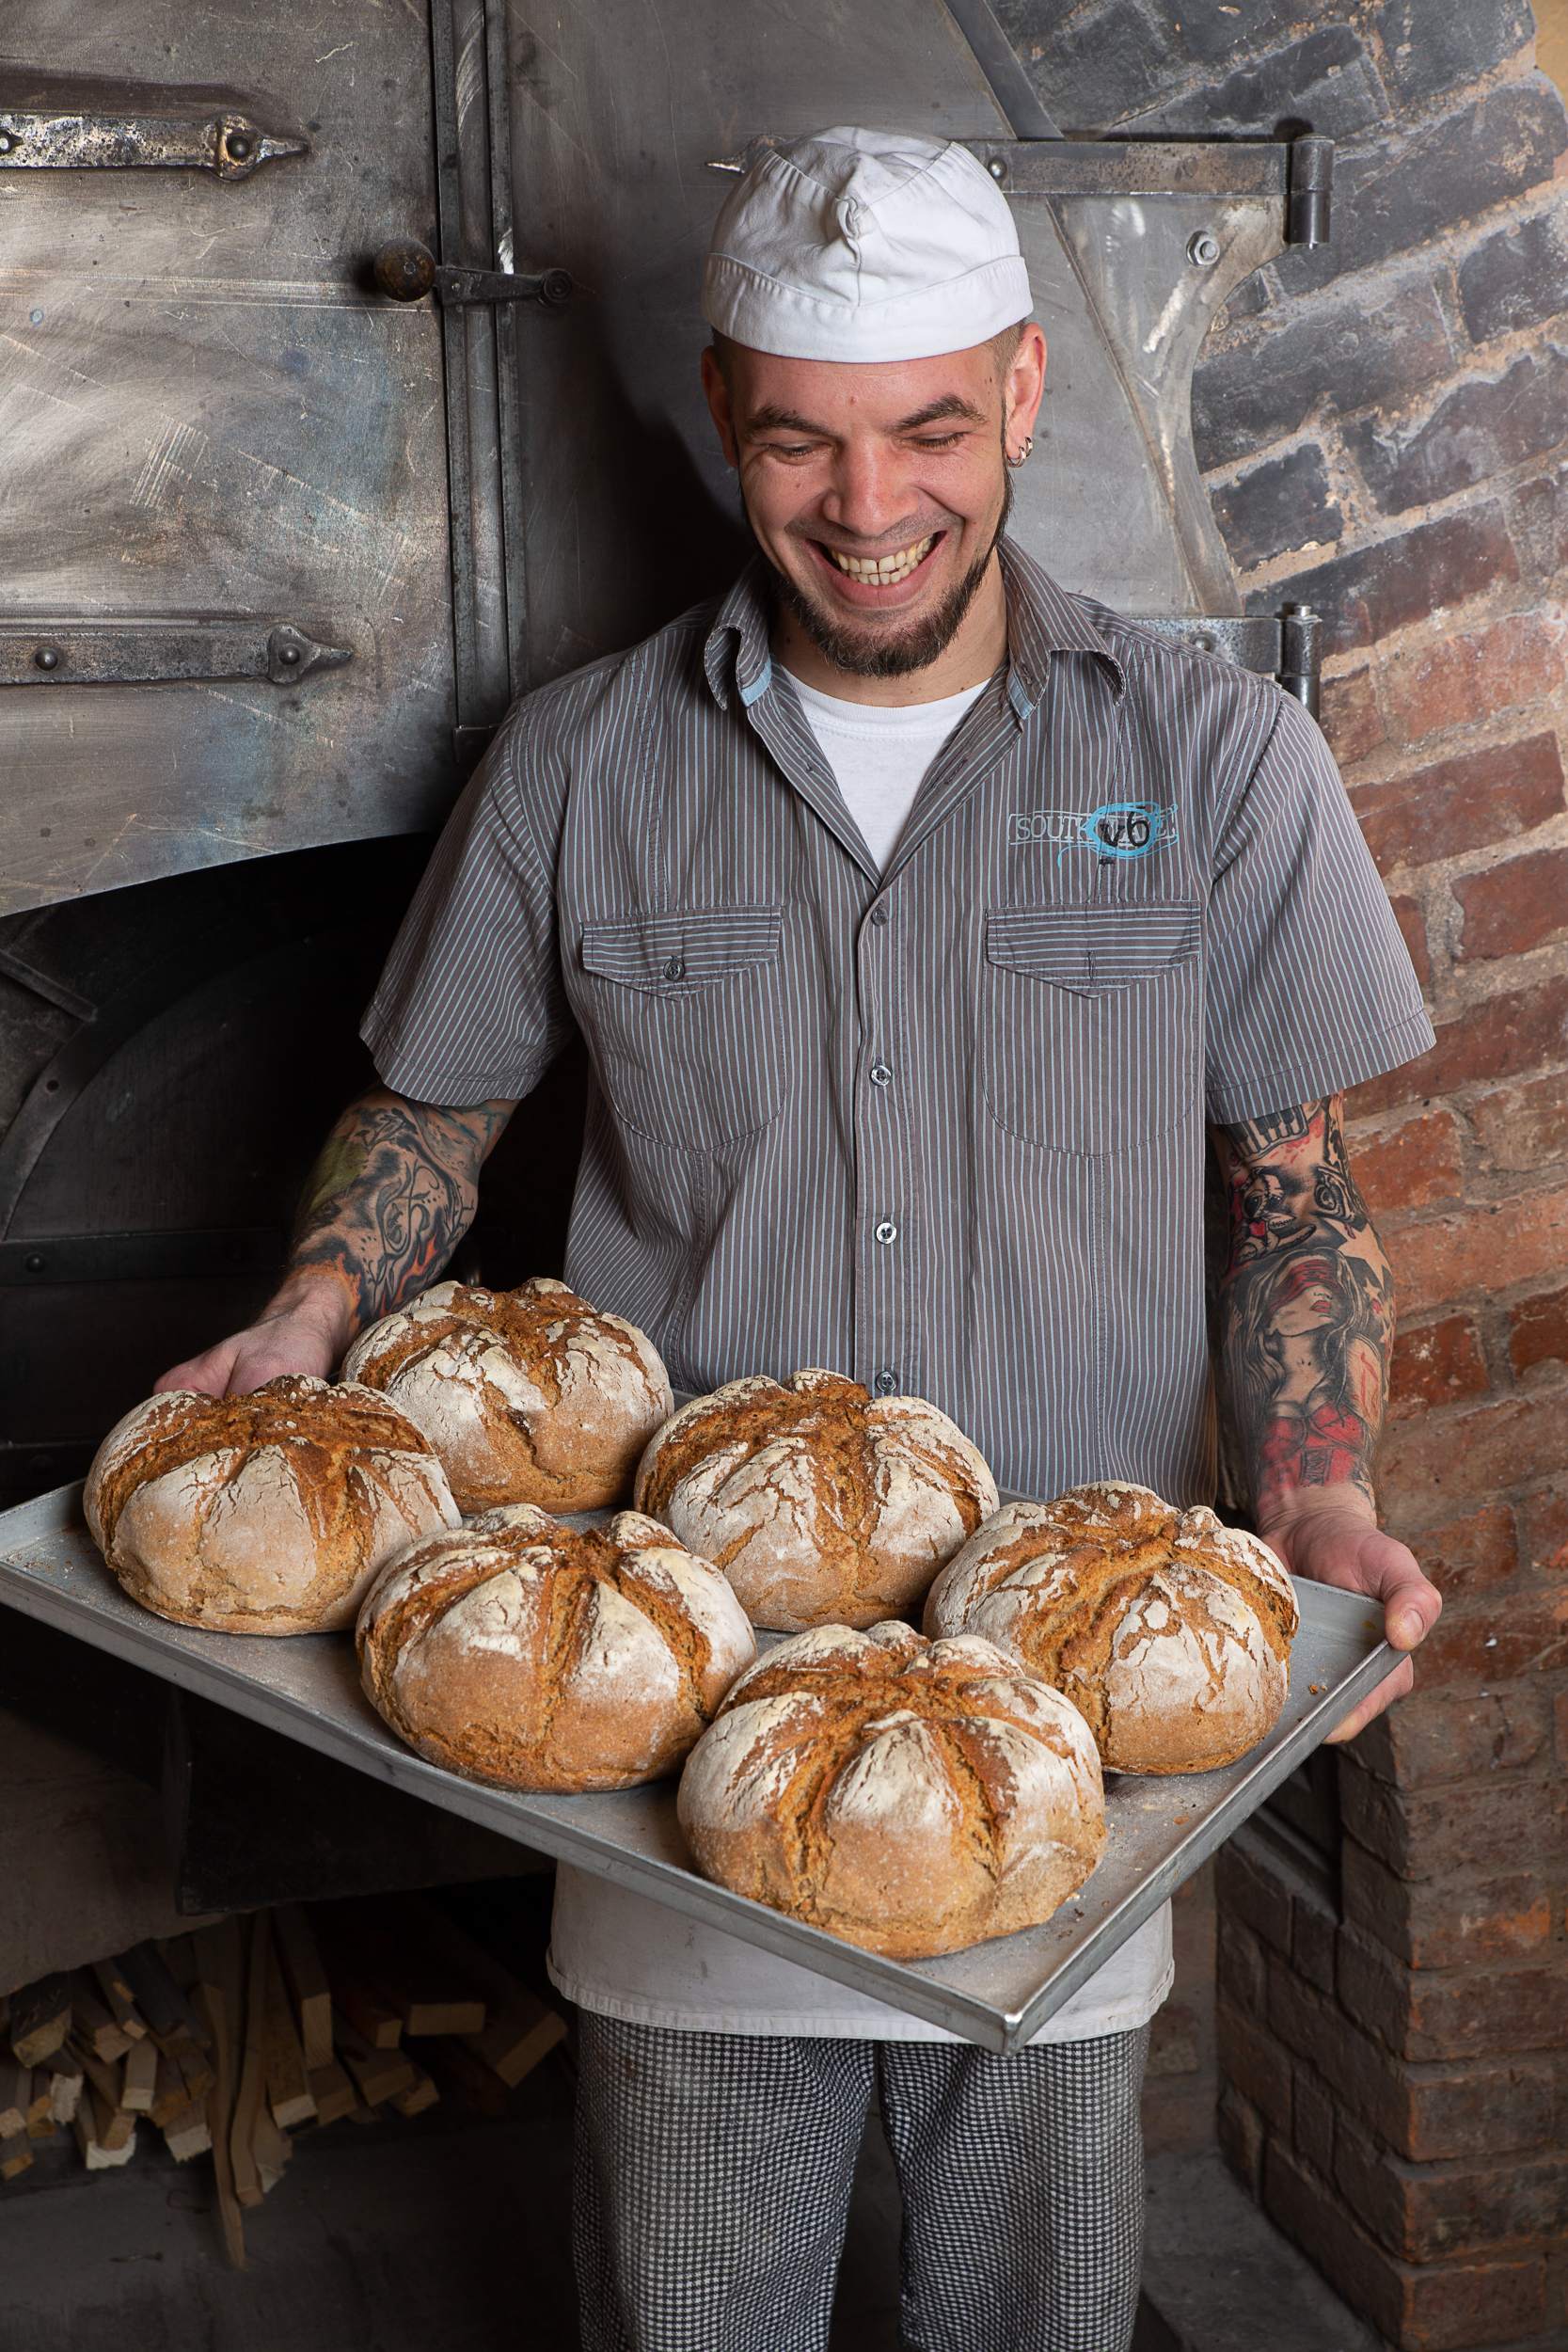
x=123, y=652
x=230, y=144
x=408, y=270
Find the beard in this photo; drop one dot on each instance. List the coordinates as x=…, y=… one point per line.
x=886, y=653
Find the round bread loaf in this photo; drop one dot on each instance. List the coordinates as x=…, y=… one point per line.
x=1170, y=1632
x=822, y=1504
x=527, y=1395
x=911, y=1796
x=536, y=1655
x=261, y=1514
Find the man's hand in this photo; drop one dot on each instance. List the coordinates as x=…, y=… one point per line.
x=305, y=1329
x=1332, y=1536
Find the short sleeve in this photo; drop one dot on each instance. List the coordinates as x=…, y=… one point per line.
x=470, y=1006
x=1310, y=986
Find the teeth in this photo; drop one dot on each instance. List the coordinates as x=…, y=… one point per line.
x=885, y=571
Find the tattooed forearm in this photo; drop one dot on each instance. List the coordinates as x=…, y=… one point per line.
x=390, y=1197
x=1306, y=1306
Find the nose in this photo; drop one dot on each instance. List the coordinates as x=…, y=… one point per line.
x=869, y=493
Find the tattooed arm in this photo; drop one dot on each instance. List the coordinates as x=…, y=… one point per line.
x=386, y=1203
x=1306, y=1313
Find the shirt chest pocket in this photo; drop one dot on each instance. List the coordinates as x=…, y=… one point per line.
x=1090, y=1023
x=684, y=1014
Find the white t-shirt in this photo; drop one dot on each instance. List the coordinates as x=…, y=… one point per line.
x=880, y=757
x=623, y=1955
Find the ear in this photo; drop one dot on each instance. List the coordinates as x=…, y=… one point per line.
x=1024, y=383
x=716, y=393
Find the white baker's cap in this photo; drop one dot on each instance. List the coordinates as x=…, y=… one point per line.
x=864, y=245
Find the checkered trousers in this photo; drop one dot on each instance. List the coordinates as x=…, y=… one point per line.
x=713, y=2178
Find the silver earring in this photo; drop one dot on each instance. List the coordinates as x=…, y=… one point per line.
x=1022, y=457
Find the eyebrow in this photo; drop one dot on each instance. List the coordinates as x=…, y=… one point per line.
x=771, y=419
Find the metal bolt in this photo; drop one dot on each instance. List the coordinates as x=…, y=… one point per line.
x=240, y=145
x=1203, y=643
x=287, y=656
x=47, y=657
x=1203, y=248
x=997, y=168
x=33, y=1262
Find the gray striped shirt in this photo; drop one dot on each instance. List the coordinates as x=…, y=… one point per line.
x=939, y=1127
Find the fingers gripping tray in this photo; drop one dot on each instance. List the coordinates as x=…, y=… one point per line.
x=997, y=1993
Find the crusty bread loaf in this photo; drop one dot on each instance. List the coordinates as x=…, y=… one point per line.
x=821, y=1505
x=263, y=1514
x=536, y=1655
x=1169, y=1630
x=912, y=1798
x=527, y=1395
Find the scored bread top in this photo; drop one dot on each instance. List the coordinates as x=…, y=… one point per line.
x=819, y=1501
x=529, y=1396
x=524, y=1652
x=265, y=1513
x=1135, y=1609
x=911, y=1796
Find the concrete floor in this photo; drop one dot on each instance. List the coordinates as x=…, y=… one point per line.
x=453, y=2230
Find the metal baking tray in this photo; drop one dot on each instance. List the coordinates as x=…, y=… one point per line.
x=996, y=1994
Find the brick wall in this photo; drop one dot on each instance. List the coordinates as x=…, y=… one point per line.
x=1384, y=426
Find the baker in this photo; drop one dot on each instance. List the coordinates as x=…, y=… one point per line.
x=915, y=913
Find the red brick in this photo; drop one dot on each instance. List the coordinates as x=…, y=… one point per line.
x=1312, y=2109
x=1501, y=1037
x=1241, y=1970
x=1412, y=930
x=1424, y=2212
x=1538, y=1328
x=1443, y=1923
x=1350, y=717
x=1483, y=1247
x=1439, y=2307
x=1245, y=1886
x=1409, y=1166
x=1438, y=1363
x=1526, y=1126
x=1241, y=2133
x=1422, y=2015
x=1513, y=1822
x=1488, y=1643
x=1461, y=803
x=1438, y=1464
x=1250, y=2058
x=1438, y=1735
x=1547, y=1521
x=1470, y=676
x=1432, y=567
x=1470, y=1555
x=1514, y=906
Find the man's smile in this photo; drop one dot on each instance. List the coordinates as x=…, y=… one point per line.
x=884, y=571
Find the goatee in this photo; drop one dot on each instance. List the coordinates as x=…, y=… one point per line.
x=880, y=653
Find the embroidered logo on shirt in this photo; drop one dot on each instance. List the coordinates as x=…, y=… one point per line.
x=1118, y=829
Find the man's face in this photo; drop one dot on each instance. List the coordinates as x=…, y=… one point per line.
x=876, y=491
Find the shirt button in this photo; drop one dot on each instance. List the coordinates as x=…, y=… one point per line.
x=675, y=968
x=878, y=915
x=880, y=1074
x=886, y=1230
x=886, y=1382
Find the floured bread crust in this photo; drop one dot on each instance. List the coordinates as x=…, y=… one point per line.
x=530, y=1655
x=263, y=1514
x=527, y=1395
x=1170, y=1632
x=821, y=1503
x=911, y=1796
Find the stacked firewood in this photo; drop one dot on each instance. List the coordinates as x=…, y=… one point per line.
x=235, y=2036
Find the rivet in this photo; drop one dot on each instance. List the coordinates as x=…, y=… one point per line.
x=6, y=142
x=288, y=655
x=47, y=657
x=997, y=168
x=239, y=145
x=33, y=1262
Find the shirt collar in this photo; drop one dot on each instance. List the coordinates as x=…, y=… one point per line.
x=1042, y=620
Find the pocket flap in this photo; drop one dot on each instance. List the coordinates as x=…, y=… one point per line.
x=1089, y=949
x=683, y=950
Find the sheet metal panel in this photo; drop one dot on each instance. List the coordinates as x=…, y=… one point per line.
x=996, y=1994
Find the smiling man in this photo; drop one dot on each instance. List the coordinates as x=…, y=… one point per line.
x=916, y=914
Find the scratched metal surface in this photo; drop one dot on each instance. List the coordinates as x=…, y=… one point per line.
x=202, y=412
x=996, y=1994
